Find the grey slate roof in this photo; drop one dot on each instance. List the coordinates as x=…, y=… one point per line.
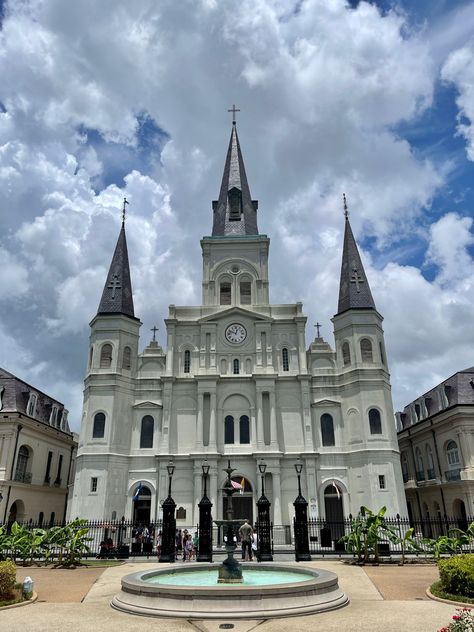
x=234, y=177
x=354, y=289
x=117, y=297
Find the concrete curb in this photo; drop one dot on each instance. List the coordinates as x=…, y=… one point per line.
x=21, y=603
x=454, y=603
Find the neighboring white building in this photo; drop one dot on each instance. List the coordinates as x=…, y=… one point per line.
x=436, y=439
x=237, y=381
x=37, y=453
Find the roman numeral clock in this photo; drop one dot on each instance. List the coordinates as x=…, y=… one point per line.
x=235, y=333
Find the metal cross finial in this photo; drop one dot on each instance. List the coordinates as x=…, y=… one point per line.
x=233, y=110
x=125, y=202
x=318, y=327
x=154, y=329
x=346, y=212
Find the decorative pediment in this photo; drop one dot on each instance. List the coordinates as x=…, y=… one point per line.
x=147, y=404
x=327, y=402
x=236, y=311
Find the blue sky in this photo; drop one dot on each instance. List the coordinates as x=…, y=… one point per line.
x=105, y=100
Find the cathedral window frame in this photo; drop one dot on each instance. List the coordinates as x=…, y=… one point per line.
x=453, y=458
x=245, y=283
x=375, y=421
x=96, y=421
x=127, y=358
x=366, y=350
x=244, y=430
x=105, y=361
x=187, y=361
x=285, y=359
x=226, y=290
x=147, y=436
x=24, y=460
x=346, y=353
x=236, y=366
x=328, y=436
x=229, y=430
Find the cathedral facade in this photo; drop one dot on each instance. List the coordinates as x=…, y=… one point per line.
x=237, y=381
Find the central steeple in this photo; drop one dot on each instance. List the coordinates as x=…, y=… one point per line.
x=235, y=213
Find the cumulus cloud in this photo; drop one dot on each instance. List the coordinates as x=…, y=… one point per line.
x=322, y=88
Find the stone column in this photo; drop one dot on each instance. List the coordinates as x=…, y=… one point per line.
x=212, y=424
x=212, y=492
x=273, y=422
x=260, y=436
x=197, y=490
x=199, y=424
x=276, y=497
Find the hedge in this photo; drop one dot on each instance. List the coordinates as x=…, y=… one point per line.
x=7, y=579
x=457, y=575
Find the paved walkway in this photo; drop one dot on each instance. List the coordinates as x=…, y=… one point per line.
x=383, y=599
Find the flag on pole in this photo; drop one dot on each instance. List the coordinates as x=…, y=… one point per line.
x=337, y=490
x=239, y=486
x=137, y=492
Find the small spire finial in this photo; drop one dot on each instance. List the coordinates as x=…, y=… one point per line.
x=125, y=202
x=233, y=110
x=346, y=211
x=154, y=329
x=318, y=327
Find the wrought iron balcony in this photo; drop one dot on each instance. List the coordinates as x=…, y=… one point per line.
x=430, y=474
x=453, y=475
x=420, y=476
x=22, y=477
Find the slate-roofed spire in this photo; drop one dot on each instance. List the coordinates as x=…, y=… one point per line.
x=235, y=213
x=117, y=296
x=354, y=289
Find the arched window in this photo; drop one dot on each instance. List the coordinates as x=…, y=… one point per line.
x=244, y=429
x=346, y=353
x=225, y=293
x=91, y=355
x=21, y=472
x=430, y=463
x=452, y=453
x=375, y=421
x=245, y=292
x=236, y=365
x=106, y=356
x=405, y=470
x=420, y=466
x=284, y=359
x=366, y=350
x=127, y=358
x=146, y=432
x=229, y=429
x=327, y=430
x=235, y=204
x=187, y=361
x=98, y=429
x=382, y=354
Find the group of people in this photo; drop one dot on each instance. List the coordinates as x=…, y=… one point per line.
x=186, y=545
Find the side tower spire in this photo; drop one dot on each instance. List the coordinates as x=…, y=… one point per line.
x=235, y=213
x=117, y=297
x=354, y=289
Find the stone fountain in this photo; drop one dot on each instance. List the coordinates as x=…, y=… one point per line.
x=221, y=591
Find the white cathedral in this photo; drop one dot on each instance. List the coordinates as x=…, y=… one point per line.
x=237, y=381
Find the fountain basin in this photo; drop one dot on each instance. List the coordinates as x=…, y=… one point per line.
x=168, y=593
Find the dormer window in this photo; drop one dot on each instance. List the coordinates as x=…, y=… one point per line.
x=235, y=204
x=54, y=416
x=31, y=407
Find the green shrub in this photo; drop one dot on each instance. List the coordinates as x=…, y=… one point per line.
x=457, y=575
x=7, y=579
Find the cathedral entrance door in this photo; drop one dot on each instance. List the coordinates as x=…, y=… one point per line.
x=142, y=507
x=242, y=501
x=334, y=520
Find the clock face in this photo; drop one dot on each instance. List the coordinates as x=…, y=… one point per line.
x=235, y=333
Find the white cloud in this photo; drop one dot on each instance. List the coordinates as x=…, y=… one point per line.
x=459, y=70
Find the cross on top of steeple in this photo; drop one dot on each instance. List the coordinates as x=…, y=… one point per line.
x=233, y=110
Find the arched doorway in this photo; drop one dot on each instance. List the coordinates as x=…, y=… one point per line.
x=141, y=505
x=17, y=512
x=242, y=501
x=459, y=509
x=334, y=512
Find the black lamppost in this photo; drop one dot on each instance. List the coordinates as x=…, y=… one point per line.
x=264, y=539
x=168, y=532
x=301, y=521
x=205, y=521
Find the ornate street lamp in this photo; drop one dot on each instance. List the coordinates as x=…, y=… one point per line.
x=264, y=538
x=205, y=521
x=168, y=531
x=301, y=521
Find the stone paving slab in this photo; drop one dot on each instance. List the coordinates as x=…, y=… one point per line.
x=405, y=583
x=60, y=585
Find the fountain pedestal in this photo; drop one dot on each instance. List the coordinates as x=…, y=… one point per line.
x=230, y=571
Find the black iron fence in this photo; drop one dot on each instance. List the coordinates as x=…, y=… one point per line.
x=324, y=535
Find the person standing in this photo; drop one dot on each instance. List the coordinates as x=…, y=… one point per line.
x=246, y=535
